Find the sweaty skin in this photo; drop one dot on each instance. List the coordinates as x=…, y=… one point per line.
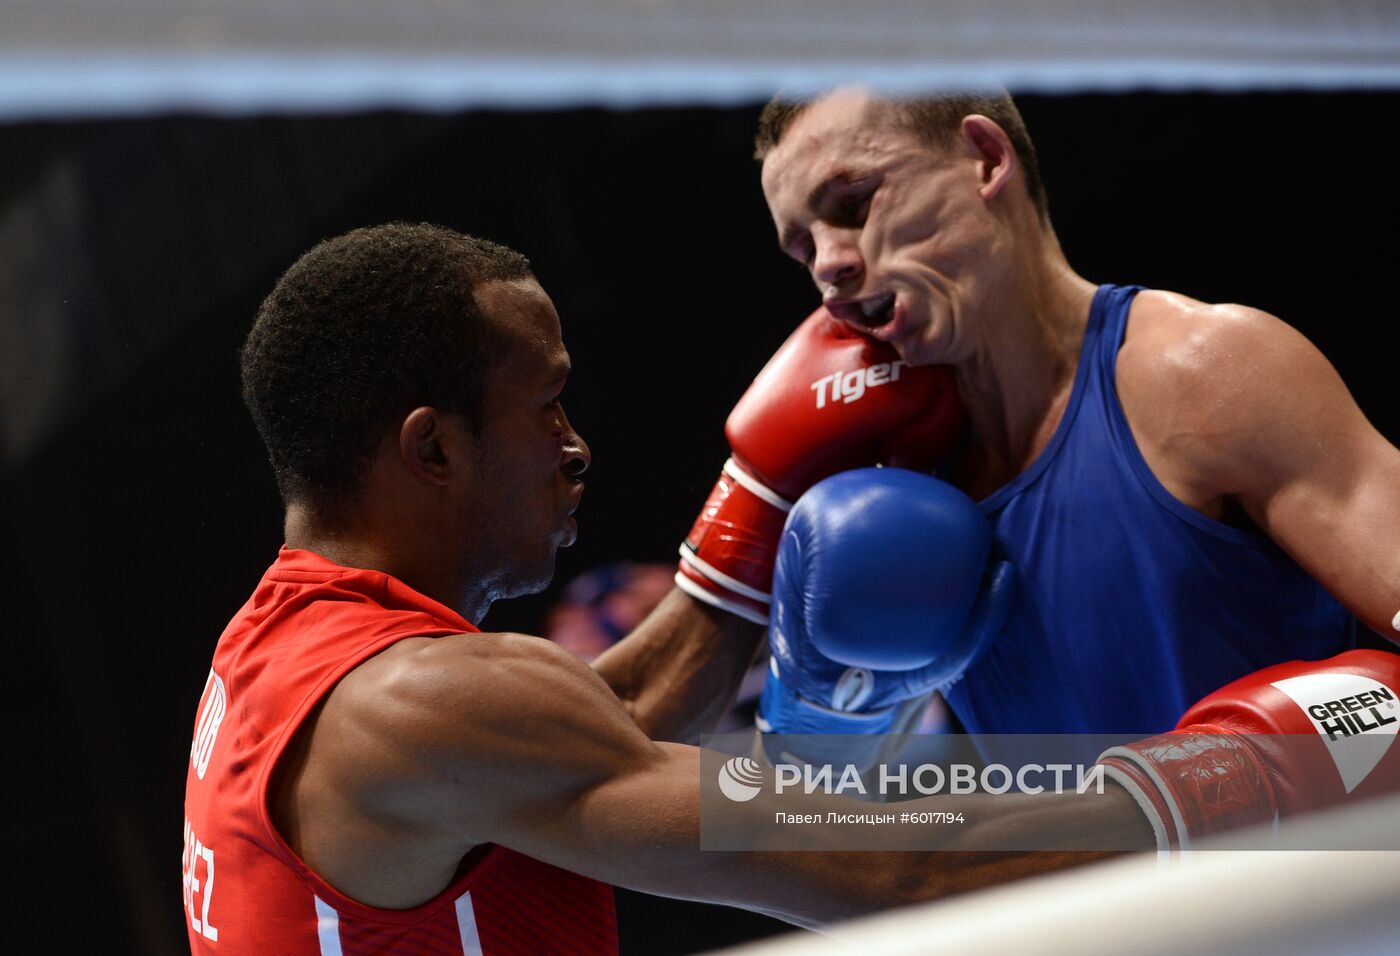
x=1238, y=415
x=437, y=745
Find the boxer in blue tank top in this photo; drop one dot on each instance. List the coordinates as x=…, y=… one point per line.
x=1189, y=491
x=1182, y=604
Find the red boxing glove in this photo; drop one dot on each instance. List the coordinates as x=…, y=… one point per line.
x=829, y=400
x=1284, y=740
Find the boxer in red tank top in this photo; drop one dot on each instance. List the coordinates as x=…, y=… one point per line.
x=308, y=624
x=362, y=756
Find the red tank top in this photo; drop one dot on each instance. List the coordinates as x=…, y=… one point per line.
x=308, y=624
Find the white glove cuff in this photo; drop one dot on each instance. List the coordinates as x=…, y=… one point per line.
x=713, y=599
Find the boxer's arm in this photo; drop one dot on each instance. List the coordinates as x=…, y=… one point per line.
x=678, y=672
x=444, y=744
x=1278, y=430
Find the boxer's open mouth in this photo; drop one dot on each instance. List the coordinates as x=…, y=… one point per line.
x=877, y=311
x=872, y=313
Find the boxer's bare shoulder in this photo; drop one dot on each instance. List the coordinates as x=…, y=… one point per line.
x=1213, y=392
x=1232, y=406
x=438, y=744
x=1188, y=373
x=511, y=707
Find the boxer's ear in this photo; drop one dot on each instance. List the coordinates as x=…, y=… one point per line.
x=427, y=441
x=991, y=147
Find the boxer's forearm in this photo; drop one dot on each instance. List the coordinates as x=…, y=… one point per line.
x=679, y=671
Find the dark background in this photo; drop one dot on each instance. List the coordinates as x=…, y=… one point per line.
x=136, y=508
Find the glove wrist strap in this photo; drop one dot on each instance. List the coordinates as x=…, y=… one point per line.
x=1194, y=782
x=781, y=710
x=699, y=586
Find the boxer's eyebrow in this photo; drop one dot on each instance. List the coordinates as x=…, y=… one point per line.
x=556, y=377
x=817, y=198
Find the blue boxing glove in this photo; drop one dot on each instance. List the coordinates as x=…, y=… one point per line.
x=883, y=592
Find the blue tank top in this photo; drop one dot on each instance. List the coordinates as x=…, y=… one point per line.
x=1131, y=605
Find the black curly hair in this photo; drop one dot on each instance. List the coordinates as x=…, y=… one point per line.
x=361, y=330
